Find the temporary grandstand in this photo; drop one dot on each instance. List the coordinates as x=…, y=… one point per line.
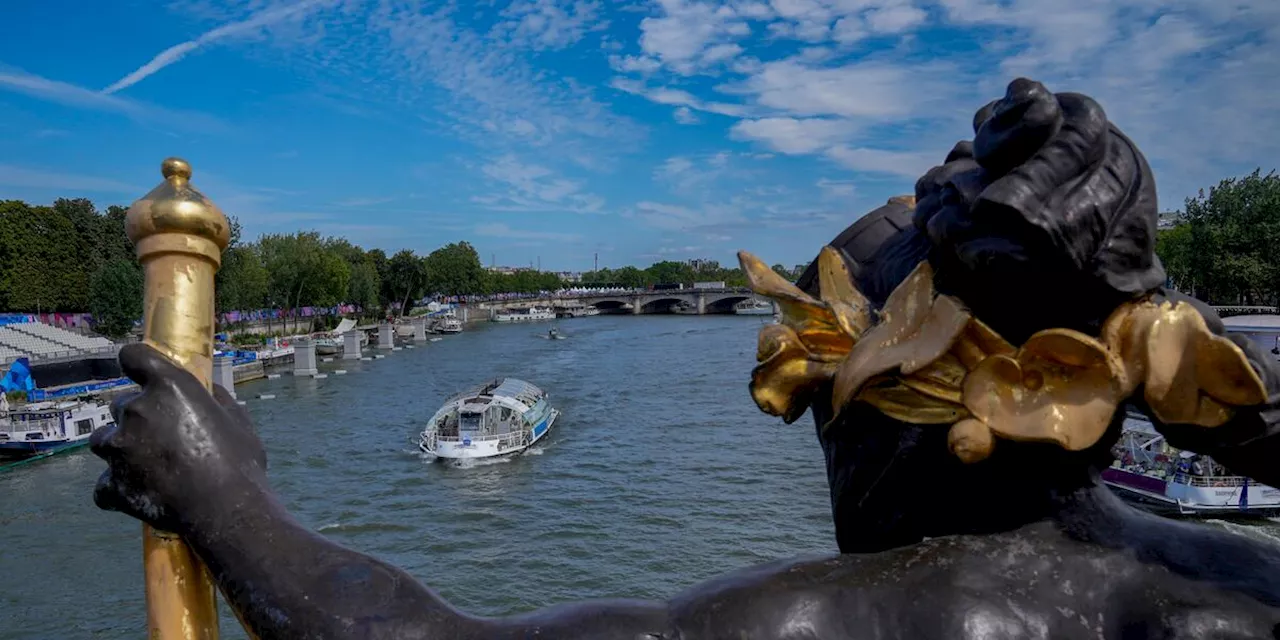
x=39, y=341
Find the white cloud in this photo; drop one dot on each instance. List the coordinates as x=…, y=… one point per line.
x=676, y=97
x=836, y=188
x=500, y=230
x=532, y=187
x=674, y=217
x=795, y=135
x=548, y=24
x=895, y=19
x=249, y=26
x=74, y=96
x=23, y=177
x=685, y=115
x=907, y=164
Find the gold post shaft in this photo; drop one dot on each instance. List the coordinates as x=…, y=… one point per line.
x=179, y=236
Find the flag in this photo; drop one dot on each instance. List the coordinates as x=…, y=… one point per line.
x=18, y=378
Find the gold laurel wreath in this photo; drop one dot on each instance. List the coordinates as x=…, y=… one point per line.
x=924, y=359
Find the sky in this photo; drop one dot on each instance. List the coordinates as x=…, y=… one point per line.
x=556, y=133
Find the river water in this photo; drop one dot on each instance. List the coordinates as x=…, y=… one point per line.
x=659, y=474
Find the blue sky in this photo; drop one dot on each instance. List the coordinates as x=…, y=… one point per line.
x=554, y=130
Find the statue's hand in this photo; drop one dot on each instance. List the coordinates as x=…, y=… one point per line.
x=176, y=453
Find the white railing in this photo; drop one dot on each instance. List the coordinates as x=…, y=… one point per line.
x=1210, y=481
x=505, y=439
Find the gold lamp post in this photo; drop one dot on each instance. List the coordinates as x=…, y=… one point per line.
x=179, y=236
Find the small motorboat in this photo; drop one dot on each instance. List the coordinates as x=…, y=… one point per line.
x=501, y=417
x=554, y=334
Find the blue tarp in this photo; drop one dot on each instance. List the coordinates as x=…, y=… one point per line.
x=18, y=378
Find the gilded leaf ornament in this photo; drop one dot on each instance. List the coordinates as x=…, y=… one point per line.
x=924, y=359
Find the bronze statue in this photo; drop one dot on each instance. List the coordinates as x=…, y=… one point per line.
x=964, y=353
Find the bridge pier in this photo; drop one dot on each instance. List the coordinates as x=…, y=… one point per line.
x=351, y=345
x=386, y=336
x=224, y=374
x=702, y=304
x=635, y=306
x=304, y=357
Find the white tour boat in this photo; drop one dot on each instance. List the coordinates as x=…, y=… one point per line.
x=502, y=417
x=1153, y=474
x=684, y=309
x=532, y=314
x=449, y=324
x=753, y=307
x=44, y=428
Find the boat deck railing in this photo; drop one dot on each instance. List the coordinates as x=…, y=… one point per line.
x=1210, y=481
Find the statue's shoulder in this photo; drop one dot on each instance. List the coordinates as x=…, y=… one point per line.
x=1035, y=581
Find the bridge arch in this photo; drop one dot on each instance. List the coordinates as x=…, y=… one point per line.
x=661, y=304
x=725, y=303
x=611, y=305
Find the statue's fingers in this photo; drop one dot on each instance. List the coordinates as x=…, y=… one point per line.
x=102, y=442
x=1018, y=126
x=120, y=404
x=148, y=367
x=233, y=407
x=240, y=415
x=106, y=493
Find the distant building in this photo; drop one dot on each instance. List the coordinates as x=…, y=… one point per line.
x=570, y=276
x=508, y=270
x=1168, y=219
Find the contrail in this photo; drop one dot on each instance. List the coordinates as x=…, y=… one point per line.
x=177, y=51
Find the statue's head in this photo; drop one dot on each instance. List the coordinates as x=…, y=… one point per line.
x=967, y=353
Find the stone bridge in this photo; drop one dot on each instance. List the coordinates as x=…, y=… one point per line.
x=704, y=301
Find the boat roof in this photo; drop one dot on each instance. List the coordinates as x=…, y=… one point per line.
x=517, y=391
x=1257, y=321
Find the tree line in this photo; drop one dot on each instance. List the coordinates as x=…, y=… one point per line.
x=71, y=257
x=1224, y=245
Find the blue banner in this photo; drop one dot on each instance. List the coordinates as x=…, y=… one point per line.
x=36, y=395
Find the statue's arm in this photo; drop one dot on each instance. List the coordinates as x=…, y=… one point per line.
x=288, y=582
x=189, y=462
x=1249, y=444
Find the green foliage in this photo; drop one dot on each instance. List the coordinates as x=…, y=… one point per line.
x=407, y=276
x=48, y=254
x=70, y=257
x=455, y=269
x=667, y=272
x=116, y=297
x=1224, y=249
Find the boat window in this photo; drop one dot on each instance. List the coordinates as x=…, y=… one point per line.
x=84, y=427
x=469, y=421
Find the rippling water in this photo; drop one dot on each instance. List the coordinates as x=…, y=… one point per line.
x=660, y=473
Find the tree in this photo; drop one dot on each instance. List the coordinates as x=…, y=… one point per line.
x=116, y=297
x=363, y=289
x=454, y=269
x=242, y=282
x=1228, y=254
x=407, y=275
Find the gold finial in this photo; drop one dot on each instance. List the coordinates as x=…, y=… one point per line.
x=175, y=167
x=179, y=236
x=175, y=216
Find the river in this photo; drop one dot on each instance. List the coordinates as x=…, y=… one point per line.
x=660, y=473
